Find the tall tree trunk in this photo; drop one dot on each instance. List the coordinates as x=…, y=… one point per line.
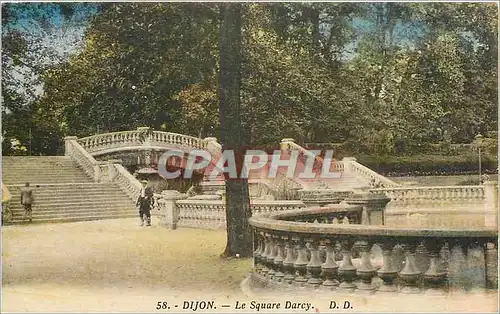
x=239, y=233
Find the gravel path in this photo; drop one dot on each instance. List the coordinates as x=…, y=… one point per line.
x=113, y=265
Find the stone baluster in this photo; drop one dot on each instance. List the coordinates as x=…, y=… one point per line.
x=263, y=256
x=300, y=263
x=366, y=271
x=314, y=265
x=288, y=263
x=435, y=276
x=270, y=258
x=257, y=253
x=410, y=273
x=278, y=261
x=330, y=268
x=347, y=271
x=388, y=272
x=491, y=264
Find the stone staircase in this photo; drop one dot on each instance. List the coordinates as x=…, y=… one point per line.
x=63, y=192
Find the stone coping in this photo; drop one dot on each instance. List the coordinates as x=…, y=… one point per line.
x=441, y=187
x=327, y=209
x=136, y=131
x=114, y=149
x=252, y=202
x=327, y=190
x=273, y=222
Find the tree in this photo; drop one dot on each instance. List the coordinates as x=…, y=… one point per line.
x=29, y=31
x=239, y=232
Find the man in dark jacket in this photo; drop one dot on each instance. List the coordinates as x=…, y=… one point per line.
x=144, y=202
x=27, y=200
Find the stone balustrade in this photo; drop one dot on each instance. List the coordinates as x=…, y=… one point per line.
x=294, y=255
x=347, y=164
x=143, y=137
x=127, y=182
x=6, y=198
x=103, y=171
x=321, y=197
x=177, y=211
x=88, y=163
x=371, y=177
x=402, y=194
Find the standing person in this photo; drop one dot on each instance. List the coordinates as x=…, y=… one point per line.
x=27, y=200
x=144, y=202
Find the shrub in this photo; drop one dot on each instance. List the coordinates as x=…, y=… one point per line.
x=420, y=165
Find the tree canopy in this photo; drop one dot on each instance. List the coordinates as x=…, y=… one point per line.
x=383, y=77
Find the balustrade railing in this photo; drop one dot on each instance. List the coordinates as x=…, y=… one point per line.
x=6, y=198
x=211, y=214
x=88, y=163
x=100, y=171
x=470, y=192
x=127, y=182
x=140, y=137
x=294, y=255
x=371, y=177
x=323, y=196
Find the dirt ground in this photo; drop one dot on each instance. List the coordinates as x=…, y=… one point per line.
x=117, y=266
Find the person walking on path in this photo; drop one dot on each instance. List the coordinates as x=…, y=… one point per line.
x=144, y=202
x=27, y=200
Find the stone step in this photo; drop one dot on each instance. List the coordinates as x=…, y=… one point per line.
x=74, y=205
x=37, y=172
x=34, y=181
x=73, y=219
x=74, y=197
x=65, y=186
x=40, y=195
x=72, y=186
x=37, y=181
x=63, y=191
x=78, y=210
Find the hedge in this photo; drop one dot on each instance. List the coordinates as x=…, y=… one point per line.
x=420, y=165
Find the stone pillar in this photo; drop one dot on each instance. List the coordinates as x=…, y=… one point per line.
x=67, y=146
x=145, y=130
x=168, y=208
x=212, y=146
x=490, y=204
x=373, y=204
x=97, y=172
x=285, y=142
x=347, y=163
x=112, y=173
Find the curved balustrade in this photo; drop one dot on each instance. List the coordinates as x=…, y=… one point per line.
x=323, y=196
x=108, y=142
x=294, y=255
x=434, y=193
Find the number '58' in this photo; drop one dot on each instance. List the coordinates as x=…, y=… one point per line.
x=161, y=305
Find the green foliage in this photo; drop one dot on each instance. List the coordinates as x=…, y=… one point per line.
x=419, y=165
x=384, y=78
